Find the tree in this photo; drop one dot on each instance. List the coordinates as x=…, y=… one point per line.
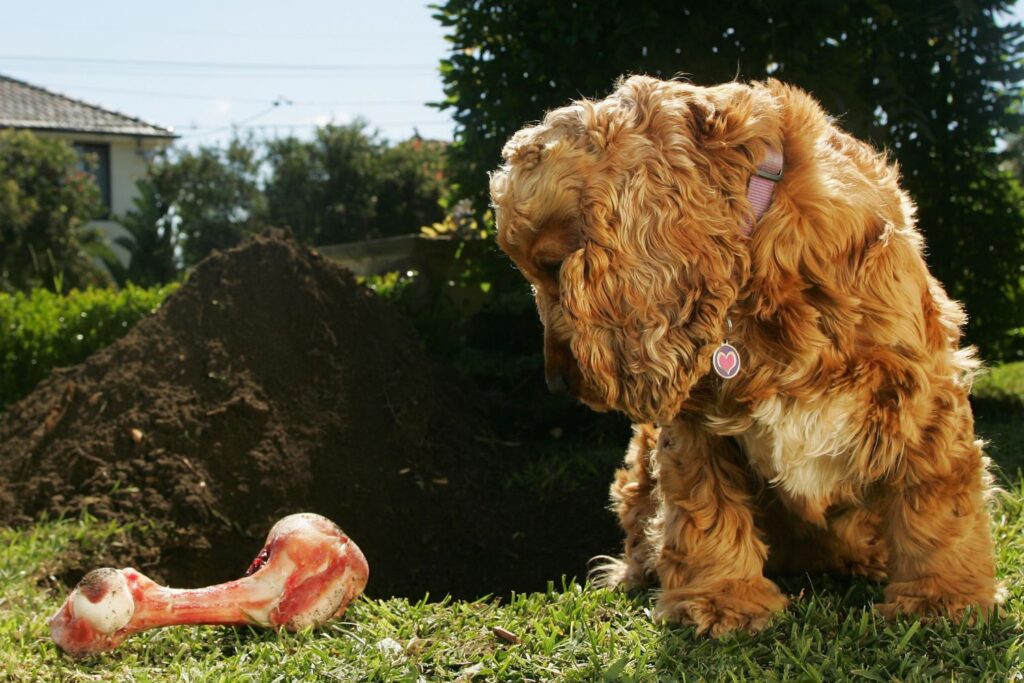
x=45, y=204
x=209, y=198
x=347, y=184
x=153, y=238
x=413, y=186
x=933, y=82
x=325, y=190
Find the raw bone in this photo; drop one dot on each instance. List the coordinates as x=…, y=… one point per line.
x=307, y=573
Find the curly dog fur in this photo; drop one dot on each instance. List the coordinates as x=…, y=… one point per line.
x=846, y=443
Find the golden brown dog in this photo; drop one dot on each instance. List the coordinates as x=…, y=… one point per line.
x=846, y=441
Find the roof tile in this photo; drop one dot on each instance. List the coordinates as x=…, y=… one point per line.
x=27, y=106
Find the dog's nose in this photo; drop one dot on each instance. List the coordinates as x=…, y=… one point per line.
x=556, y=384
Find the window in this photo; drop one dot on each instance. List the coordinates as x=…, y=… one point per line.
x=94, y=159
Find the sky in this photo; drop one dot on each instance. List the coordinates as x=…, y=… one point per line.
x=269, y=67
x=320, y=61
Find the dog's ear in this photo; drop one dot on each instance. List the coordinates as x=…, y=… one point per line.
x=725, y=117
x=647, y=295
x=648, y=292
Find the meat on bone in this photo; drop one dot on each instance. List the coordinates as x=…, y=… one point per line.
x=306, y=574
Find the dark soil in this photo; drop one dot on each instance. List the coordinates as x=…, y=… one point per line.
x=271, y=383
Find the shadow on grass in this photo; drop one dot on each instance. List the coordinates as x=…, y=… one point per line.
x=831, y=632
x=1001, y=424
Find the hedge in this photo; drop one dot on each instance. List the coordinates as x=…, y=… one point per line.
x=42, y=330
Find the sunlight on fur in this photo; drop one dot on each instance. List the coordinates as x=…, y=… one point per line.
x=846, y=443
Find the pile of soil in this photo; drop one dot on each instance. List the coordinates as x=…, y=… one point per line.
x=271, y=383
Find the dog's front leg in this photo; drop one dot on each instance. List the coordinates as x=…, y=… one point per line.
x=634, y=500
x=937, y=528
x=712, y=560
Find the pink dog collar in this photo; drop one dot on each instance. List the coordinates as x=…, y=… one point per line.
x=762, y=186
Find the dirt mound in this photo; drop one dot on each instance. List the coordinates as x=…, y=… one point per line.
x=269, y=383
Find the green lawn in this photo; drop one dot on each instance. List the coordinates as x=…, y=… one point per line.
x=1002, y=381
x=571, y=632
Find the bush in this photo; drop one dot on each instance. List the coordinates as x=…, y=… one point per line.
x=42, y=330
x=345, y=184
x=45, y=203
x=348, y=184
x=1001, y=387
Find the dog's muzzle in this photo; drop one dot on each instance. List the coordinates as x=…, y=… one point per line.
x=557, y=384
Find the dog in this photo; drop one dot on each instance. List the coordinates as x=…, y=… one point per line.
x=792, y=369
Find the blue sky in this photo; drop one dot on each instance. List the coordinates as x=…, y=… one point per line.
x=319, y=60
x=381, y=55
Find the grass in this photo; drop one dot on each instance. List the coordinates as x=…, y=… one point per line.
x=571, y=632
x=1002, y=382
x=999, y=415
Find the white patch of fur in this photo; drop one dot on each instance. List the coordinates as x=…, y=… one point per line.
x=802, y=447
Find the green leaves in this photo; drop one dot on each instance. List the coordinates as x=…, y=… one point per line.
x=205, y=199
x=345, y=184
x=936, y=84
x=42, y=330
x=44, y=202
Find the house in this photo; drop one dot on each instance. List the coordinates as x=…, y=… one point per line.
x=118, y=145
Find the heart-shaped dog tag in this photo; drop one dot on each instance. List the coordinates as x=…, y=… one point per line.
x=726, y=361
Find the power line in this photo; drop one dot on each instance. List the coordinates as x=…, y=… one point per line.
x=164, y=30
x=149, y=75
x=200, y=129
x=246, y=123
x=280, y=101
x=242, y=66
x=233, y=98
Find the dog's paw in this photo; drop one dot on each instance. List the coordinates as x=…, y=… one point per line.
x=875, y=571
x=924, y=600
x=725, y=607
x=618, y=573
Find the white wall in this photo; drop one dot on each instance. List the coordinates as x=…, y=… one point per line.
x=128, y=157
x=127, y=163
